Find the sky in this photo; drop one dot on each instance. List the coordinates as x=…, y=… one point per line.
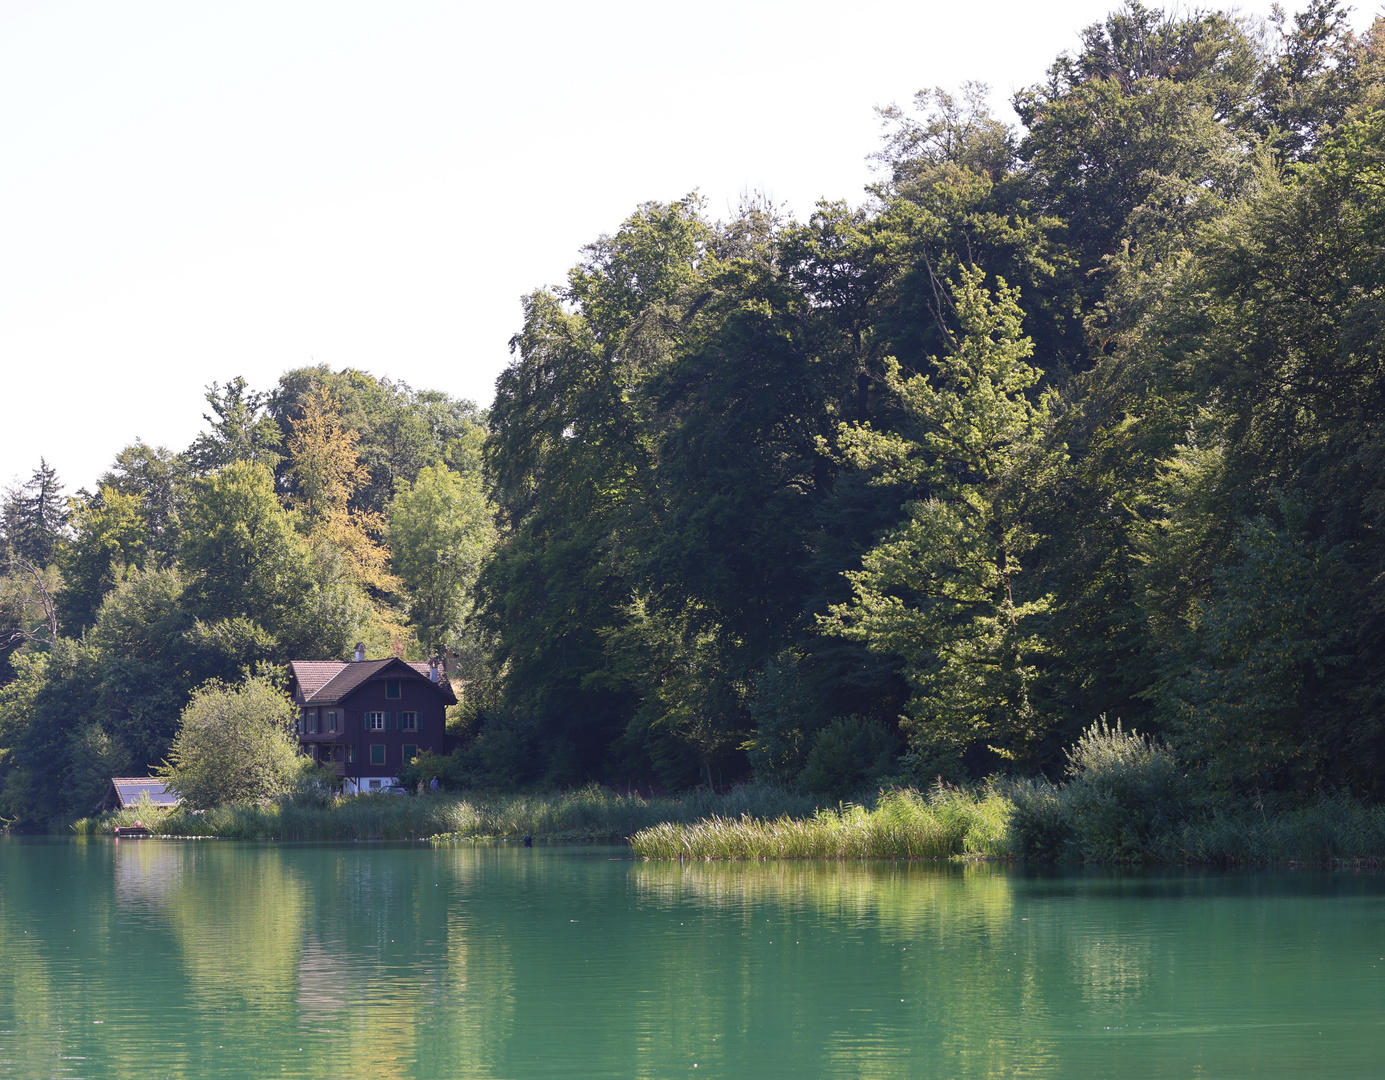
x=191, y=191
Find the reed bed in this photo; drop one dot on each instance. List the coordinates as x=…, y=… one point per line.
x=1333, y=831
x=588, y=814
x=1004, y=820
x=945, y=823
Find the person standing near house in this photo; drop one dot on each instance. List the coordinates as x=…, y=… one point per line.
x=433, y=784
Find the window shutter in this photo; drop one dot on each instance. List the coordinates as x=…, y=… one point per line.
x=389, y=721
x=418, y=721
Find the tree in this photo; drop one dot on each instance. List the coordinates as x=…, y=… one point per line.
x=234, y=743
x=942, y=590
x=327, y=471
x=1142, y=132
x=568, y=463
x=110, y=536
x=243, y=550
x=35, y=516
x=246, y=561
x=323, y=460
x=149, y=657
x=28, y=605
x=1319, y=71
x=241, y=430
x=401, y=429
x=158, y=478
x=1261, y=565
x=1246, y=699
x=441, y=529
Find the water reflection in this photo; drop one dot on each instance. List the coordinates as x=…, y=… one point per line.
x=145, y=873
x=245, y=960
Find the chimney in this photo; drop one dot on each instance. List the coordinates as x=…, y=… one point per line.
x=360, y=652
x=433, y=669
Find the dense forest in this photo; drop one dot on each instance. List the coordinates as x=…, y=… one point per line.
x=1080, y=419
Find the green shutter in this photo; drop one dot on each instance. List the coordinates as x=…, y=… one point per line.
x=418, y=720
x=389, y=721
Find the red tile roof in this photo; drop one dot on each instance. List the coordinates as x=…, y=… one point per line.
x=313, y=675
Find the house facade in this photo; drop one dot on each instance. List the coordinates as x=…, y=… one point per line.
x=366, y=718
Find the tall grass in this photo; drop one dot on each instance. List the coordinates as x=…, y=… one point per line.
x=1122, y=803
x=903, y=825
x=1334, y=830
x=591, y=813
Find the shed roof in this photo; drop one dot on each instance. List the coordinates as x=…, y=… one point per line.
x=129, y=789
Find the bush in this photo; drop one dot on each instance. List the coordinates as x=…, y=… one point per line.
x=455, y=771
x=1040, y=828
x=235, y=743
x=848, y=756
x=1126, y=795
x=1125, y=791
x=314, y=787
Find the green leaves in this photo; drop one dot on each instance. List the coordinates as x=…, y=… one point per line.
x=441, y=529
x=1258, y=657
x=942, y=589
x=234, y=743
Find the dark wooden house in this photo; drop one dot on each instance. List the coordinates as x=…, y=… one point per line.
x=366, y=718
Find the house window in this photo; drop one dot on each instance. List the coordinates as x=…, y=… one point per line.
x=376, y=721
x=312, y=721
x=410, y=752
x=408, y=721
x=391, y=688
x=375, y=785
x=331, y=721
x=350, y=753
x=377, y=753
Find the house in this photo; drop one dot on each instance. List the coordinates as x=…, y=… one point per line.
x=366, y=718
x=125, y=791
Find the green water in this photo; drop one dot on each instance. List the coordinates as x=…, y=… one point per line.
x=152, y=959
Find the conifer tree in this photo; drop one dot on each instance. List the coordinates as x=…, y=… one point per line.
x=35, y=516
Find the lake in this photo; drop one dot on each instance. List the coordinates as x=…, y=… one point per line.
x=150, y=959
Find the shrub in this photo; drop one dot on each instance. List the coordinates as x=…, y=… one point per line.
x=313, y=787
x=234, y=743
x=1040, y=828
x=1125, y=791
x=1126, y=795
x=848, y=755
x=454, y=771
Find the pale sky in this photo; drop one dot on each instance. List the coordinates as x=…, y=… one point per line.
x=191, y=191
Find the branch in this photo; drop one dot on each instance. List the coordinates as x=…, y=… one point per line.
x=43, y=601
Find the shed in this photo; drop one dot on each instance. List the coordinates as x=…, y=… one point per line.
x=125, y=791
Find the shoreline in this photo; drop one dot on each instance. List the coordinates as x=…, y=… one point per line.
x=987, y=823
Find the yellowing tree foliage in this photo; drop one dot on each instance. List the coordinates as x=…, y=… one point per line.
x=327, y=471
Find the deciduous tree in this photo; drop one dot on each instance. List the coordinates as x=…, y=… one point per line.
x=441, y=529
x=944, y=589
